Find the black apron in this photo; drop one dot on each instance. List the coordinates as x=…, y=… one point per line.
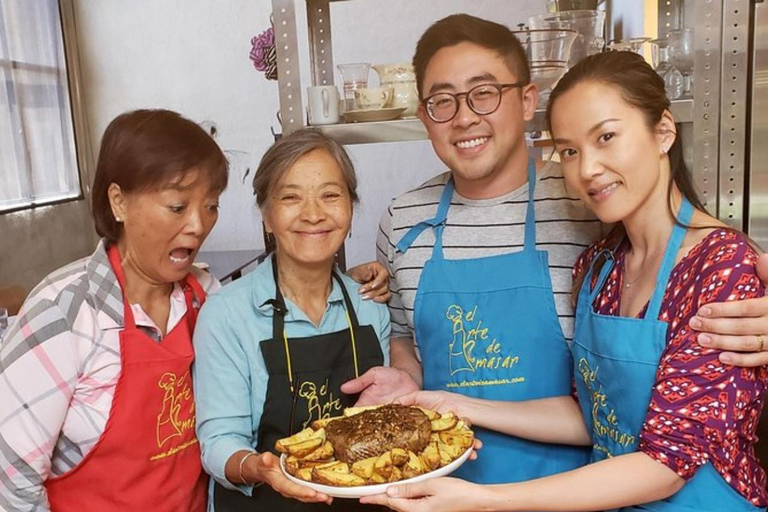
x=305, y=376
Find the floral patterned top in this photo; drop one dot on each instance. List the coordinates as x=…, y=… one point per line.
x=701, y=410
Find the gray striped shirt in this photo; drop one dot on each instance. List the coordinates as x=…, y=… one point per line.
x=487, y=227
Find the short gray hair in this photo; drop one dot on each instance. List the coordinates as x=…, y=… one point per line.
x=284, y=154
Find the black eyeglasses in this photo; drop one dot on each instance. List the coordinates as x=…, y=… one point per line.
x=483, y=99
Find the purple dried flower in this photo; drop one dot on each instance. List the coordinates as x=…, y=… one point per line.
x=263, y=53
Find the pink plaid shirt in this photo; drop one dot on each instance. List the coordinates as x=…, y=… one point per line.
x=59, y=364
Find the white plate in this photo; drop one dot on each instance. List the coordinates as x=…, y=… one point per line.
x=378, y=114
x=367, y=490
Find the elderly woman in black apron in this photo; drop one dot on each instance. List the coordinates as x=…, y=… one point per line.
x=275, y=346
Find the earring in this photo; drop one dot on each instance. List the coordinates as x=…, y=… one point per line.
x=117, y=219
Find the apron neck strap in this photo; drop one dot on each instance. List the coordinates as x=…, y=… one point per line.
x=670, y=254
x=278, y=320
x=117, y=267
x=530, y=214
x=437, y=222
x=588, y=294
x=192, y=289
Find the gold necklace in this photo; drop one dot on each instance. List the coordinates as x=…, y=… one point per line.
x=627, y=281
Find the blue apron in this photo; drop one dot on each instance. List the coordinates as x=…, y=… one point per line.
x=615, y=361
x=487, y=328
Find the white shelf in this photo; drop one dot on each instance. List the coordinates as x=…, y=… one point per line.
x=412, y=129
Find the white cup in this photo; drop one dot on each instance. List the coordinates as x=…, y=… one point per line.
x=323, y=104
x=373, y=98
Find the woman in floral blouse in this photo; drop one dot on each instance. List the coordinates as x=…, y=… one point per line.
x=671, y=426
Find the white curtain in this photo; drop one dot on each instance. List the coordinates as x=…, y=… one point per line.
x=38, y=162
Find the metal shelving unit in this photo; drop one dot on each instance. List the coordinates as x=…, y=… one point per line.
x=714, y=122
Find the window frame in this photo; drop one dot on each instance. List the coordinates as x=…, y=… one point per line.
x=84, y=158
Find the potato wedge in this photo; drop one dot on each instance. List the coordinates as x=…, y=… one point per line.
x=414, y=466
x=448, y=453
x=430, y=457
x=399, y=456
x=304, y=474
x=364, y=468
x=304, y=448
x=445, y=422
x=432, y=415
x=383, y=464
x=452, y=438
x=396, y=475
x=292, y=465
x=322, y=423
x=303, y=463
x=324, y=452
x=298, y=437
x=327, y=477
x=351, y=411
x=377, y=479
x=334, y=466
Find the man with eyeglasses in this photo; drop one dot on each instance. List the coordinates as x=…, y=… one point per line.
x=481, y=256
x=471, y=294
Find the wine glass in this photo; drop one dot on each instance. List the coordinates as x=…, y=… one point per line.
x=673, y=79
x=681, y=56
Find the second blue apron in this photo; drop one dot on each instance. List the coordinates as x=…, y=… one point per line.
x=487, y=328
x=615, y=361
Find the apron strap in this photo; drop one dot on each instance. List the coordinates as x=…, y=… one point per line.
x=278, y=321
x=351, y=322
x=192, y=289
x=530, y=214
x=117, y=267
x=438, y=222
x=347, y=302
x=673, y=246
x=587, y=294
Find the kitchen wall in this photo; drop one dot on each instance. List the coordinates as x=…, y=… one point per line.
x=192, y=56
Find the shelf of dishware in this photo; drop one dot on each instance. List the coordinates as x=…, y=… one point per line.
x=411, y=129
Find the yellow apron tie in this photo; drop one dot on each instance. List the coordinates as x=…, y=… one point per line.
x=354, y=351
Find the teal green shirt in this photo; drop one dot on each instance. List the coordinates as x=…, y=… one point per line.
x=229, y=373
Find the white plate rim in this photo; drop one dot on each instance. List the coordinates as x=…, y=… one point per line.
x=368, y=490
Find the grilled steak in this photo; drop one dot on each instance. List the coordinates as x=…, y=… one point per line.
x=373, y=432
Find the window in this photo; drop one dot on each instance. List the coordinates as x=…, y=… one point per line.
x=38, y=161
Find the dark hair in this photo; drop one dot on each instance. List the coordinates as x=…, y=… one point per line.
x=143, y=149
x=288, y=150
x=641, y=87
x=460, y=28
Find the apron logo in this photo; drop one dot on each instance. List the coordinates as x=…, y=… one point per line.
x=321, y=403
x=605, y=423
x=469, y=334
x=178, y=412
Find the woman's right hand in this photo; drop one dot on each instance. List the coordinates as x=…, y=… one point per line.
x=265, y=467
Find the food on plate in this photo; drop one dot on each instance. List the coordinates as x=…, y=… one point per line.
x=375, y=445
x=376, y=431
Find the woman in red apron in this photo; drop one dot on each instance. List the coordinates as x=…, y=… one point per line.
x=275, y=347
x=103, y=347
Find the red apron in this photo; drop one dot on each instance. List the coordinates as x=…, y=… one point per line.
x=148, y=457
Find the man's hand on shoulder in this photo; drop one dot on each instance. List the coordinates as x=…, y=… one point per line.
x=374, y=278
x=739, y=328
